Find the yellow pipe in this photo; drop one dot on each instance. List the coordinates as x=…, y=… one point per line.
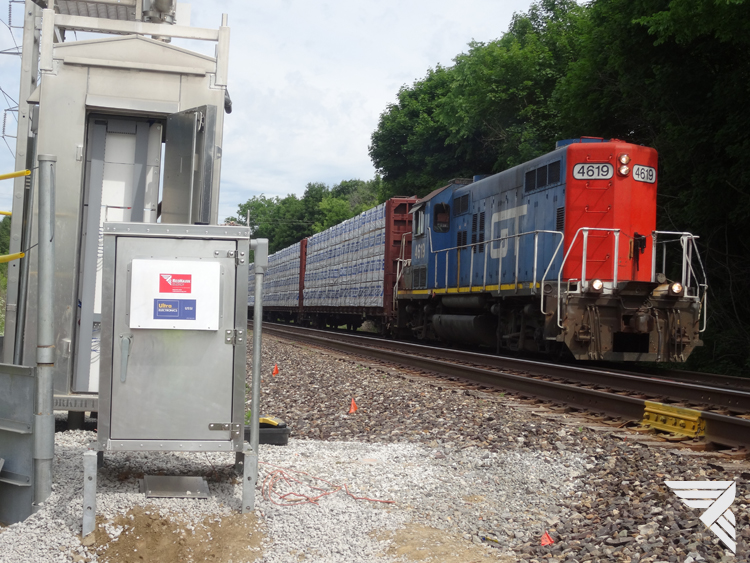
x=11, y=257
x=15, y=174
x=8, y=213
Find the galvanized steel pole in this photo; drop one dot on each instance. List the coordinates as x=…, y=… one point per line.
x=260, y=246
x=261, y=265
x=257, y=326
x=44, y=421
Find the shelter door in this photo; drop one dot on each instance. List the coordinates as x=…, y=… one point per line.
x=123, y=161
x=188, y=166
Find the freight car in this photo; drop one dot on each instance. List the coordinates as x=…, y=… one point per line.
x=345, y=275
x=559, y=255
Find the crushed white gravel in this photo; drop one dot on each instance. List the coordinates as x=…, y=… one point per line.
x=448, y=488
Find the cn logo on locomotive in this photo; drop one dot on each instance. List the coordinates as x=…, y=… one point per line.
x=500, y=249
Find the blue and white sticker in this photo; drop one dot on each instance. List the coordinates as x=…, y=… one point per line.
x=177, y=309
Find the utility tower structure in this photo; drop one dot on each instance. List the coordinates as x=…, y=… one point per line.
x=121, y=112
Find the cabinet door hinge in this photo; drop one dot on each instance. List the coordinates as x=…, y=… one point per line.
x=234, y=337
x=239, y=257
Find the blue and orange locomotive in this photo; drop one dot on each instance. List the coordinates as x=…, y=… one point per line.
x=557, y=255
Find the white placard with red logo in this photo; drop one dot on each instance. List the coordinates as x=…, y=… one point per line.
x=175, y=294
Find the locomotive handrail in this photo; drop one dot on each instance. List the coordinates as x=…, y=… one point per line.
x=541, y=284
x=517, y=238
x=399, y=269
x=688, y=244
x=585, y=231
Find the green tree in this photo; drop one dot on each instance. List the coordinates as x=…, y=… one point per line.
x=492, y=109
x=279, y=220
x=5, y=236
x=499, y=109
x=408, y=148
x=333, y=211
x=284, y=221
x=365, y=195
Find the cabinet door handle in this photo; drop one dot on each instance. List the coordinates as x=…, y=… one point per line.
x=125, y=342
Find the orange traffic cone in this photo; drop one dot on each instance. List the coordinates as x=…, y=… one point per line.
x=275, y=371
x=353, y=408
x=547, y=539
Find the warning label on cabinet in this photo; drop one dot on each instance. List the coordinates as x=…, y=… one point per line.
x=183, y=309
x=186, y=298
x=175, y=283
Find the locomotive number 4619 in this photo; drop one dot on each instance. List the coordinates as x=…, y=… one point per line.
x=644, y=173
x=601, y=171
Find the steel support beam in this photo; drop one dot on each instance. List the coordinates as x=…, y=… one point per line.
x=100, y=25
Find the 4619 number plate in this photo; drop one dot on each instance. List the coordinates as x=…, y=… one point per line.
x=602, y=171
x=644, y=173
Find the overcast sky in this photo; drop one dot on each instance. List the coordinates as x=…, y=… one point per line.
x=309, y=79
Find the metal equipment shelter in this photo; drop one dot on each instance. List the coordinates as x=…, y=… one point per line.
x=108, y=108
x=106, y=119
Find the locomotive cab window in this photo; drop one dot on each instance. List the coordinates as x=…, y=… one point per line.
x=441, y=218
x=418, y=222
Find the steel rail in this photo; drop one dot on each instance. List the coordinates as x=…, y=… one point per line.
x=733, y=399
x=712, y=379
x=720, y=428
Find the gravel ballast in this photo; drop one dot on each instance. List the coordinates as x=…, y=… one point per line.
x=424, y=484
x=473, y=476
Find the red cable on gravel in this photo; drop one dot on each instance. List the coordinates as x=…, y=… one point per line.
x=281, y=474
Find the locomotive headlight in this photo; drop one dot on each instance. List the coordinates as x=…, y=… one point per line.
x=624, y=158
x=675, y=288
x=597, y=285
x=624, y=170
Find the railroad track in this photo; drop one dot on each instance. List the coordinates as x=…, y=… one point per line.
x=709, y=379
x=717, y=413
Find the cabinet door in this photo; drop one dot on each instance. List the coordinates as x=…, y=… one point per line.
x=188, y=166
x=174, y=377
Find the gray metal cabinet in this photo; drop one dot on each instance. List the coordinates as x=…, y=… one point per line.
x=173, y=347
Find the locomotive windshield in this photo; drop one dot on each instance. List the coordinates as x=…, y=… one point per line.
x=441, y=221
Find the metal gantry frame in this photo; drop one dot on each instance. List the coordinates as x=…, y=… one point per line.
x=43, y=28
x=44, y=418
x=37, y=419
x=260, y=247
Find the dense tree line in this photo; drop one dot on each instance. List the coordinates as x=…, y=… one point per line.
x=669, y=74
x=494, y=108
x=284, y=221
